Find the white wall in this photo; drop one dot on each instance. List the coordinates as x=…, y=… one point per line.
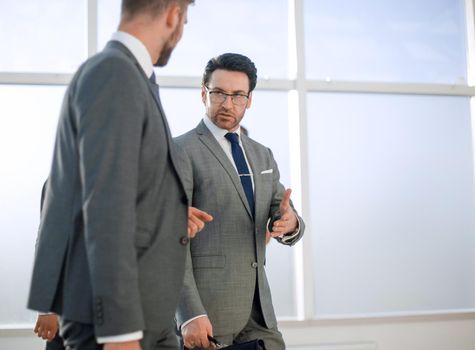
x=414, y=333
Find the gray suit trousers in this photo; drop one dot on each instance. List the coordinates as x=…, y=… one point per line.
x=80, y=336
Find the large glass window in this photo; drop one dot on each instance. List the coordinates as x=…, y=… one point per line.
x=108, y=15
x=27, y=133
x=182, y=116
x=392, y=203
x=39, y=38
x=395, y=41
x=389, y=192
x=249, y=27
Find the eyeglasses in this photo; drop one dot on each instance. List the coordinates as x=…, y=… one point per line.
x=219, y=97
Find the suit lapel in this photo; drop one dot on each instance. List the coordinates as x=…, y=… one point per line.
x=171, y=145
x=171, y=148
x=215, y=149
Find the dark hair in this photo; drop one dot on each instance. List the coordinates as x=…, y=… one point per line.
x=132, y=7
x=232, y=62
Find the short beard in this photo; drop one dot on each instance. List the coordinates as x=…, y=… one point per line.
x=168, y=48
x=164, y=56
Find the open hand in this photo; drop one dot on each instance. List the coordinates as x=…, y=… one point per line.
x=288, y=219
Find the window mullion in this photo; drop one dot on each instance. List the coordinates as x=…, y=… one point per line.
x=92, y=25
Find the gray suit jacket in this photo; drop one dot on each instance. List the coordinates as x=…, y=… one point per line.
x=112, y=239
x=228, y=257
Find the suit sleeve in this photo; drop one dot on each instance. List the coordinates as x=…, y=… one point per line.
x=190, y=304
x=110, y=116
x=43, y=193
x=277, y=195
x=185, y=169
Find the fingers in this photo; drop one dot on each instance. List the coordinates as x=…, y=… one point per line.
x=45, y=334
x=201, y=215
x=37, y=326
x=286, y=224
x=198, y=339
x=46, y=326
x=285, y=203
x=195, y=333
x=196, y=221
x=50, y=335
x=192, y=228
x=287, y=221
x=279, y=232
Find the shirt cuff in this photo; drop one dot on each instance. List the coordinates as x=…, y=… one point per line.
x=290, y=236
x=191, y=319
x=120, y=338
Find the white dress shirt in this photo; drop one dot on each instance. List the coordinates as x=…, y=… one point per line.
x=218, y=134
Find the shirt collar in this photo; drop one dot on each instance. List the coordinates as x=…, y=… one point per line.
x=217, y=132
x=138, y=49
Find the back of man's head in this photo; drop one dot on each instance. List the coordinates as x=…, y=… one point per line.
x=130, y=8
x=231, y=62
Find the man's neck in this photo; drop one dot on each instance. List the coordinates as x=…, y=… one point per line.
x=143, y=30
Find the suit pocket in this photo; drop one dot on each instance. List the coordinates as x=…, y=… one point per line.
x=266, y=177
x=265, y=182
x=209, y=261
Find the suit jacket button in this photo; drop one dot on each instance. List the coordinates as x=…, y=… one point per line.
x=254, y=265
x=184, y=240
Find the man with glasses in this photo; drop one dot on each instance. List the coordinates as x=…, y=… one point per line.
x=236, y=179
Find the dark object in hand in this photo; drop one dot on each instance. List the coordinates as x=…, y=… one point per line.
x=270, y=223
x=256, y=344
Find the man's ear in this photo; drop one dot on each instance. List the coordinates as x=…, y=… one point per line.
x=203, y=94
x=173, y=16
x=249, y=101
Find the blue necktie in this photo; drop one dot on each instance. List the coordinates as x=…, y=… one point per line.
x=242, y=168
